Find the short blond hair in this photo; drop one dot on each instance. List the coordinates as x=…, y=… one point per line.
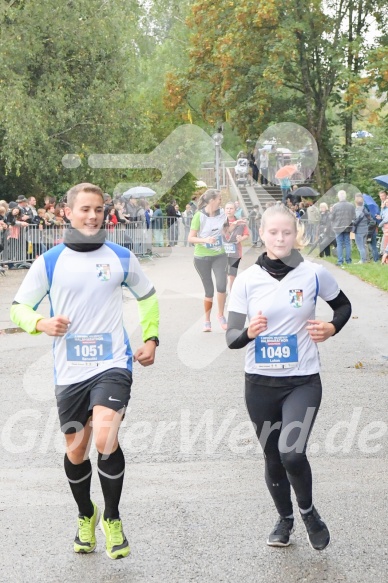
x=72, y=194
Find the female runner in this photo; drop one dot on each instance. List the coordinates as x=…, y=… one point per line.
x=209, y=254
x=234, y=233
x=282, y=384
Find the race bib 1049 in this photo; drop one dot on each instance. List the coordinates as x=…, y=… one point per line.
x=88, y=349
x=276, y=351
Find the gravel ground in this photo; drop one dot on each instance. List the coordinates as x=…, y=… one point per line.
x=194, y=505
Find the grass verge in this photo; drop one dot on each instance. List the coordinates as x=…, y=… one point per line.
x=374, y=273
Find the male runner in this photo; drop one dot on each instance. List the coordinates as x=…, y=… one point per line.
x=92, y=355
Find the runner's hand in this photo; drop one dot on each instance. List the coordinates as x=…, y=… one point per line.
x=257, y=325
x=210, y=240
x=145, y=355
x=56, y=326
x=320, y=331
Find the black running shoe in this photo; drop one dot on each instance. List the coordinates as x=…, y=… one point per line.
x=280, y=536
x=318, y=534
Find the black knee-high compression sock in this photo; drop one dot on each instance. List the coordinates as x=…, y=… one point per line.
x=111, y=473
x=80, y=477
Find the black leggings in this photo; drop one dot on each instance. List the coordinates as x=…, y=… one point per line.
x=205, y=266
x=283, y=411
x=233, y=263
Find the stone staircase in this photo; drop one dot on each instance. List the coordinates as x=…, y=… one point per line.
x=261, y=195
x=267, y=194
x=256, y=194
x=246, y=197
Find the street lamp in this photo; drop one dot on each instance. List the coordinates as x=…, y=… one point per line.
x=218, y=138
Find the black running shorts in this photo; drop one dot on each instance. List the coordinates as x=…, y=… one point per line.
x=111, y=389
x=233, y=263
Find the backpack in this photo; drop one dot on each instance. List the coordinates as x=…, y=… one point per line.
x=371, y=226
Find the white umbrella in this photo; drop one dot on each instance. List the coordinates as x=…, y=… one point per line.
x=139, y=192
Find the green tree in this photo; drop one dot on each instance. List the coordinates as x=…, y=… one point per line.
x=66, y=86
x=270, y=60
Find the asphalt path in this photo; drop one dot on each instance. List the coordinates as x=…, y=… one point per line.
x=195, y=506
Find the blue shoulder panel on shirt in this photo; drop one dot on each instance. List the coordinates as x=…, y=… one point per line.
x=123, y=254
x=50, y=260
x=316, y=288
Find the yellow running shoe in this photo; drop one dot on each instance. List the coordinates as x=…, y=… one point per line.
x=117, y=546
x=85, y=539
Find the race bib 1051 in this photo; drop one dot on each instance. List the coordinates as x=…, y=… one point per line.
x=88, y=349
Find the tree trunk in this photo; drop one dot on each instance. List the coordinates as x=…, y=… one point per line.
x=348, y=116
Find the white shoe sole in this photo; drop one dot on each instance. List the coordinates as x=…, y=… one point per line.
x=319, y=550
x=95, y=546
x=106, y=550
x=281, y=545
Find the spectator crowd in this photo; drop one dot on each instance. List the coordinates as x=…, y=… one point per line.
x=27, y=231
x=334, y=228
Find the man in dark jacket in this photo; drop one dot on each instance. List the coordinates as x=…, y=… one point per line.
x=342, y=216
x=171, y=218
x=22, y=203
x=131, y=209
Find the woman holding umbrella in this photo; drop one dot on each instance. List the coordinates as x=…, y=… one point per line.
x=284, y=176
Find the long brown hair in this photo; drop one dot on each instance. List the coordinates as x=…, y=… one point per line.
x=207, y=196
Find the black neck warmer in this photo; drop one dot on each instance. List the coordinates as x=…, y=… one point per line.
x=77, y=241
x=279, y=268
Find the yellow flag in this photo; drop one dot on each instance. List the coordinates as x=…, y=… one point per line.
x=189, y=117
x=227, y=115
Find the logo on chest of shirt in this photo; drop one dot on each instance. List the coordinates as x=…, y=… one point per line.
x=296, y=297
x=103, y=271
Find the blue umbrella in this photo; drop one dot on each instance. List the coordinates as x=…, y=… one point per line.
x=372, y=205
x=383, y=180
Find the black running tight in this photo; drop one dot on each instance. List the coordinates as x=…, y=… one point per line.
x=283, y=411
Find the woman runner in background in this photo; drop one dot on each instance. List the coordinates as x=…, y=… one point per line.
x=282, y=383
x=234, y=233
x=209, y=254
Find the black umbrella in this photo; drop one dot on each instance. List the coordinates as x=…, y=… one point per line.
x=323, y=241
x=305, y=191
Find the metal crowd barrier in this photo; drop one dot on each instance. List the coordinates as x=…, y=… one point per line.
x=19, y=246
